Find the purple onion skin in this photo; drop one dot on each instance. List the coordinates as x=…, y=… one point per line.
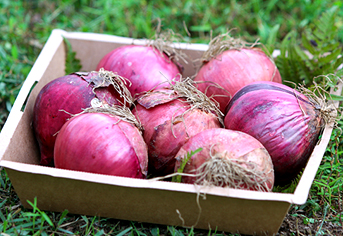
x=230, y=144
x=232, y=70
x=103, y=144
x=144, y=66
x=283, y=120
x=56, y=101
x=164, y=135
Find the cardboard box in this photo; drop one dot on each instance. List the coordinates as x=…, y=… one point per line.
x=224, y=209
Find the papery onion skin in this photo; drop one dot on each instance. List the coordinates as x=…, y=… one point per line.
x=55, y=103
x=144, y=66
x=232, y=70
x=233, y=145
x=103, y=144
x=163, y=133
x=282, y=119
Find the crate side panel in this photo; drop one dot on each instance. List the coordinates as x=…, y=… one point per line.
x=90, y=52
x=149, y=205
x=23, y=146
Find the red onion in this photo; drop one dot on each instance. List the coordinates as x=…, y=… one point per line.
x=227, y=158
x=145, y=66
x=68, y=95
x=169, y=119
x=101, y=143
x=285, y=121
x=223, y=73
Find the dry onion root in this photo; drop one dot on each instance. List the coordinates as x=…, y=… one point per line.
x=165, y=42
x=220, y=170
x=224, y=42
x=320, y=98
x=187, y=89
x=104, y=78
x=121, y=112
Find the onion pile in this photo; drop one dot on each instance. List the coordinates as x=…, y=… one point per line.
x=68, y=95
x=227, y=158
x=103, y=141
x=137, y=117
x=230, y=64
x=170, y=116
x=284, y=120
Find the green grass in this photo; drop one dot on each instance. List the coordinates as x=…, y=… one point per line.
x=26, y=25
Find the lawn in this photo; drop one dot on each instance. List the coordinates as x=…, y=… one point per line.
x=287, y=25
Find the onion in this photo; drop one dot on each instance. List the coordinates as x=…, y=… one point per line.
x=226, y=158
x=170, y=117
x=229, y=64
x=68, y=95
x=101, y=143
x=145, y=66
x=284, y=120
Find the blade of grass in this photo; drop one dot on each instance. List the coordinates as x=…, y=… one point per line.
x=125, y=231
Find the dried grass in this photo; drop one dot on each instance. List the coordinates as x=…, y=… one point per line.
x=186, y=88
x=223, y=171
x=164, y=42
x=224, y=42
x=104, y=78
x=122, y=112
x=322, y=100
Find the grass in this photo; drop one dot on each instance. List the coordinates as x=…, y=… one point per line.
x=26, y=25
